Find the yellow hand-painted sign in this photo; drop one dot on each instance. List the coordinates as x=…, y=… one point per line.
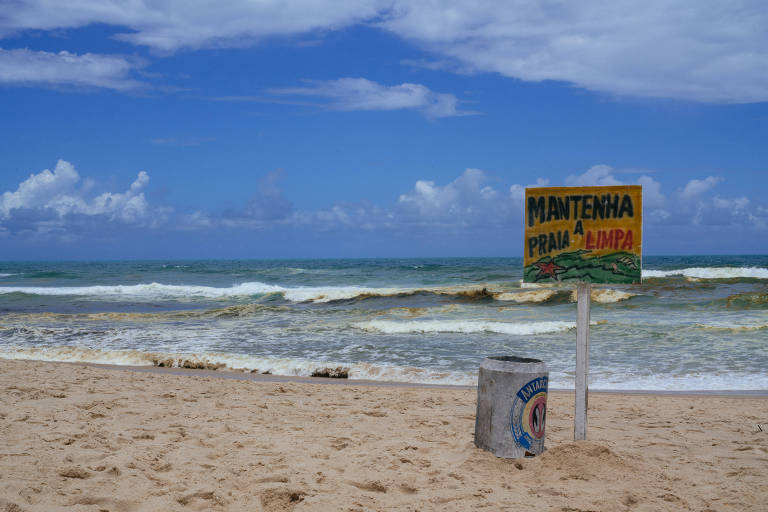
x=588, y=234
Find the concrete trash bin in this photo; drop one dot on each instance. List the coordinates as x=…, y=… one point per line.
x=511, y=406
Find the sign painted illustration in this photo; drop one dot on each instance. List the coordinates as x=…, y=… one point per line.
x=588, y=234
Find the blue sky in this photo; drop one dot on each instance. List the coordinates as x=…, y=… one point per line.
x=373, y=129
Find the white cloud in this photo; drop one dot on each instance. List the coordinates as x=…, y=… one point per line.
x=652, y=196
x=597, y=175
x=470, y=203
x=25, y=67
x=438, y=65
x=517, y=192
x=738, y=210
x=738, y=204
x=700, y=51
x=687, y=206
x=363, y=94
x=466, y=200
x=344, y=215
x=40, y=189
x=168, y=25
x=50, y=201
x=59, y=204
x=602, y=175
x=195, y=220
x=129, y=206
x=707, y=50
x=697, y=187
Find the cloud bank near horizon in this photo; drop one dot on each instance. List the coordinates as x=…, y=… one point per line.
x=618, y=48
x=58, y=206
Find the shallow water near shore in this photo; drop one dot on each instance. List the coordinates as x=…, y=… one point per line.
x=696, y=323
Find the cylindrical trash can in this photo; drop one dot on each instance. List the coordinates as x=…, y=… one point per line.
x=511, y=406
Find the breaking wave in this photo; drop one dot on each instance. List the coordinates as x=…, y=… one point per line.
x=598, y=295
x=534, y=296
x=158, y=292
x=743, y=301
x=710, y=273
x=147, y=292
x=605, y=295
x=463, y=326
x=237, y=311
x=734, y=327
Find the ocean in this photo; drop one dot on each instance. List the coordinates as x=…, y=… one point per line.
x=696, y=322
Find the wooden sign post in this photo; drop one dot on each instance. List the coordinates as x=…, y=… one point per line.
x=584, y=235
x=584, y=299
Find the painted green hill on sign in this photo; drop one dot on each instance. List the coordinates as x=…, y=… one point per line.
x=581, y=265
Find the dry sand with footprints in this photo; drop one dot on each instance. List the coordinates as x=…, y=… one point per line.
x=85, y=438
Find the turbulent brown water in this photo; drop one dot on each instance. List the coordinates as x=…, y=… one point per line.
x=695, y=323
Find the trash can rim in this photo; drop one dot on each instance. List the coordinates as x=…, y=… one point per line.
x=514, y=359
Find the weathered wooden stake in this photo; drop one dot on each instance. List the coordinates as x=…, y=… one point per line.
x=582, y=361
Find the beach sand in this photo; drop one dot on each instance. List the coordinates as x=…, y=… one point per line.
x=78, y=437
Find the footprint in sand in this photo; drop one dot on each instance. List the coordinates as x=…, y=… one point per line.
x=373, y=486
x=281, y=500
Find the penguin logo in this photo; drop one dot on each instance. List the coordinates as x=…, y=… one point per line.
x=538, y=417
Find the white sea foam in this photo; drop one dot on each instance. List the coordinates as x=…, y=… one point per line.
x=714, y=381
x=331, y=293
x=541, y=285
x=463, y=326
x=599, y=379
x=386, y=372
x=392, y=373
x=79, y=355
x=711, y=272
x=528, y=296
x=150, y=291
x=275, y=366
x=6, y=275
x=154, y=291
x=734, y=326
x=278, y=366
x=605, y=295
x=157, y=291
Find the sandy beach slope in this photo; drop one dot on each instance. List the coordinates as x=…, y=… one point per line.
x=82, y=438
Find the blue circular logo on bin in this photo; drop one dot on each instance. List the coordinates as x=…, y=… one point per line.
x=529, y=415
